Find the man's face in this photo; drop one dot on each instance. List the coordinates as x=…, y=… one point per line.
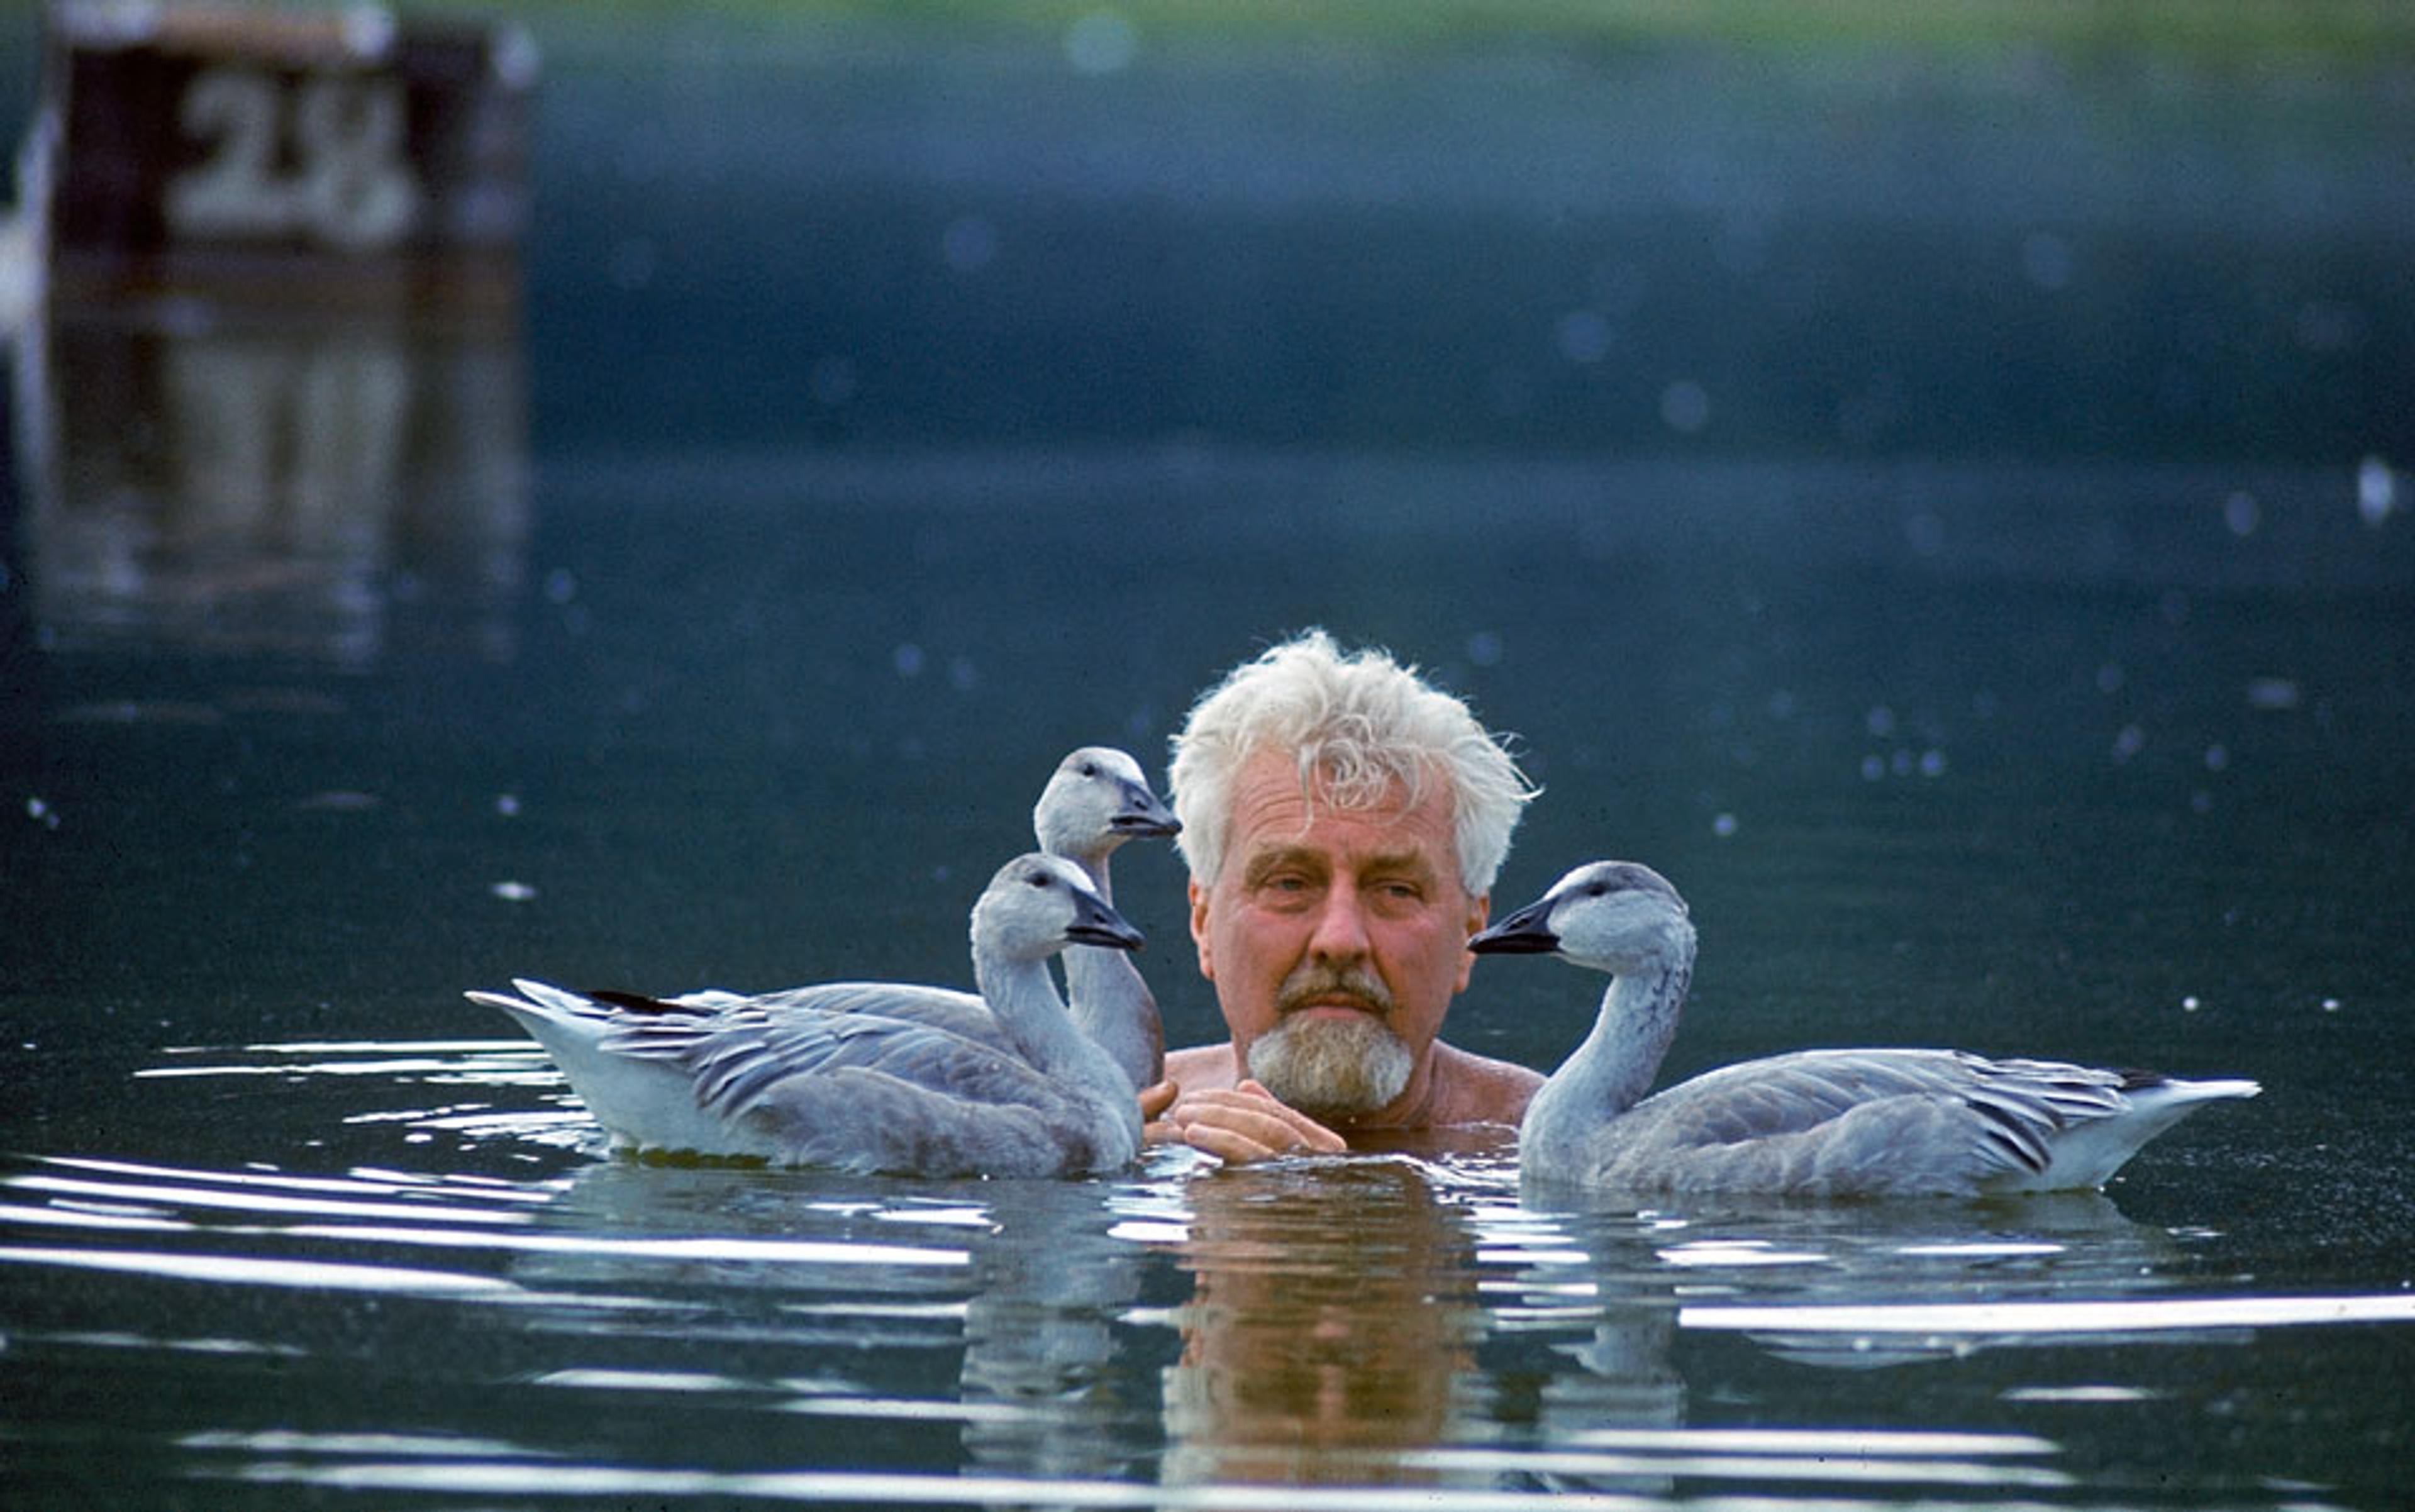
x=1336, y=942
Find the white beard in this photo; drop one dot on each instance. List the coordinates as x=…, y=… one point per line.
x=1330, y=1067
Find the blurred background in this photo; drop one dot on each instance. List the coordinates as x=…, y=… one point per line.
x=1932, y=483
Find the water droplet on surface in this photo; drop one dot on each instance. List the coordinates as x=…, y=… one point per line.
x=1685, y=407
x=2128, y=741
x=1582, y=336
x=2240, y=513
x=1102, y=42
x=2272, y=693
x=508, y=804
x=969, y=244
x=2190, y=1004
x=513, y=892
x=2376, y=490
x=1724, y=824
x=339, y=801
x=1484, y=648
x=907, y=659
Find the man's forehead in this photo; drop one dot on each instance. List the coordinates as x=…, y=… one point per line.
x=1276, y=815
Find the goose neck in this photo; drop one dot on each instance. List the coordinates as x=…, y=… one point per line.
x=1613, y=1068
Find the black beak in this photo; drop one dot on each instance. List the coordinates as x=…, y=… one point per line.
x=1098, y=924
x=1144, y=817
x=1527, y=931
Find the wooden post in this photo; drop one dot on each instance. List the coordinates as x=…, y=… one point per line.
x=266, y=368
x=278, y=161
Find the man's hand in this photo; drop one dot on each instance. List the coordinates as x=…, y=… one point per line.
x=1237, y=1126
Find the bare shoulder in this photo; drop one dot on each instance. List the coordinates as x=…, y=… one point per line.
x=1478, y=1089
x=1202, y=1068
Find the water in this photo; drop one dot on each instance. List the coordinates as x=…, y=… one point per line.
x=441, y=1294
x=344, y=672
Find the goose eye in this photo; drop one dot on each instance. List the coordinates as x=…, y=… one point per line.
x=1597, y=889
x=1038, y=879
x=1089, y=768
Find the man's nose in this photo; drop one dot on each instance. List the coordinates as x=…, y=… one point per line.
x=1341, y=927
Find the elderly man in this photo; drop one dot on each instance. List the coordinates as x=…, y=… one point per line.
x=1343, y=821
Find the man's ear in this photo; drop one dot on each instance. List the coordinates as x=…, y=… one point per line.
x=1199, y=930
x=1477, y=913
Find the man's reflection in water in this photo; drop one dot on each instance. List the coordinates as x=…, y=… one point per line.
x=1332, y=1325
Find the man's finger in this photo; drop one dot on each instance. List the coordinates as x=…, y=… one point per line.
x=1309, y=1133
x=1239, y=1126
x=1156, y=1098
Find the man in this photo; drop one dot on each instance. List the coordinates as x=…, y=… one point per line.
x=1343, y=821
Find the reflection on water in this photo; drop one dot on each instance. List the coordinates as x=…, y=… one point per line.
x=1329, y=1335
x=286, y=489
x=457, y=1303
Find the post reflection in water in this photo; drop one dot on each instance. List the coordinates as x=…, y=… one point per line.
x=311, y=490
x=1331, y=1329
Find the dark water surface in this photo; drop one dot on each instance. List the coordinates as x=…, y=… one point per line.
x=1973, y=567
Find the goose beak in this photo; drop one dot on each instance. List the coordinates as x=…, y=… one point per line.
x=1098, y=924
x=1142, y=816
x=1527, y=931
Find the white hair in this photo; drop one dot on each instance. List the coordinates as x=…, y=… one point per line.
x=1363, y=728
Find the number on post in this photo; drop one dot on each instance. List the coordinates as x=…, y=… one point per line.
x=349, y=186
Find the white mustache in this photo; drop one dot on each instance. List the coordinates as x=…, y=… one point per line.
x=1310, y=984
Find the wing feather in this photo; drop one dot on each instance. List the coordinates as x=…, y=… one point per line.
x=1844, y=1120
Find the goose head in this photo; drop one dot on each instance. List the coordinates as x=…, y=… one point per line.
x=1097, y=800
x=1037, y=905
x=1616, y=916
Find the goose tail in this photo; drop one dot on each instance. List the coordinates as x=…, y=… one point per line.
x=2087, y=1154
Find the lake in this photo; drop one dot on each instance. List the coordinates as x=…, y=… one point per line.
x=1941, y=505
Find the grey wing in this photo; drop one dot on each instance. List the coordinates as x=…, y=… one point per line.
x=1937, y=1120
x=873, y=1093
x=959, y=1012
x=709, y=1015
x=740, y=1058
